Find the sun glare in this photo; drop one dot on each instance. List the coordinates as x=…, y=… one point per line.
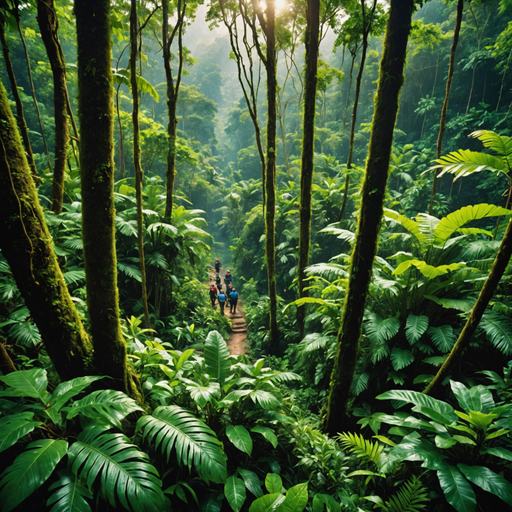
x=280, y=5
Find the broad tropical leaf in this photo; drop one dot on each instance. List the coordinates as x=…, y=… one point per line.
x=234, y=490
x=217, y=357
x=499, y=331
x=267, y=503
x=489, y=481
x=240, y=437
x=326, y=502
x=273, y=483
x=296, y=499
x=108, y=404
x=130, y=270
x=429, y=271
x=329, y=271
x=15, y=426
x=379, y=330
x=465, y=162
x=443, y=337
x=415, y=327
x=25, y=333
x=202, y=394
x=478, y=398
x=264, y=399
x=267, y=433
x=315, y=341
x=456, y=488
x=32, y=383
x=427, y=224
x=196, y=444
x=413, y=449
x=30, y=470
x=408, y=224
x=499, y=143
x=70, y=494
x=252, y=482
x=463, y=305
x=123, y=470
x=401, y=358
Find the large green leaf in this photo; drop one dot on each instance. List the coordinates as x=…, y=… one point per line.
x=234, y=490
x=499, y=331
x=478, y=398
x=122, y=76
x=240, y=437
x=202, y=394
x=108, y=404
x=32, y=383
x=14, y=426
x=252, y=482
x=296, y=499
x=429, y=271
x=267, y=503
x=217, y=357
x=488, y=481
x=456, y=488
x=442, y=337
x=379, y=330
x=70, y=494
x=265, y=399
x=415, y=327
x=427, y=224
x=30, y=470
x=414, y=449
x=454, y=221
x=273, y=483
x=464, y=305
x=195, y=443
x=123, y=470
x=421, y=400
x=401, y=358
x=408, y=224
x=267, y=433
x=325, y=502
x=465, y=162
x=499, y=143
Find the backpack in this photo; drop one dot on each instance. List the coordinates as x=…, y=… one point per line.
x=213, y=291
x=234, y=296
x=222, y=297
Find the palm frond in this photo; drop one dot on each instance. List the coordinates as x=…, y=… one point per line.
x=25, y=333
x=70, y=494
x=195, y=443
x=465, y=162
x=123, y=471
x=314, y=342
x=130, y=270
x=74, y=277
x=415, y=327
x=15, y=426
x=408, y=224
x=217, y=357
x=498, y=329
x=329, y=271
x=499, y=143
x=361, y=447
x=443, y=337
x=75, y=244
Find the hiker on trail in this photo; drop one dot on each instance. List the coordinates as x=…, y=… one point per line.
x=213, y=294
x=222, y=302
x=233, y=301
x=228, y=278
x=218, y=280
x=218, y=266
x=229, y=289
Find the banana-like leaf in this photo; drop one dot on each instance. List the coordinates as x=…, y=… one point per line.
x=195, y=443
x=108, y=404
x=29, y=471
x=31, y=383
x=122, y=76
x=70, y=494
x=465, y=162
x=498, y=329
x=240, y=437
x=401, y=358
x=459, y=218
x=296, y=499
x=408, y=224
x=463, y=305
x=477, y=398
x=456, y=488
x=217, y=357
x=488, y=481
x=442, y=337
x=429, y=271
x=273, y=483
x=123, y=470
x=234, y=490
x=427, y=224
x=15, y=426
x=415, y=327
x=267, y=433
x=267, y=503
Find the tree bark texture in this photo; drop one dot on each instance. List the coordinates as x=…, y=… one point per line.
x=139, y=177
x=20, y=116
x=444, y=110
x=374, y=188
x=308, y=152
x=95, y=102
x=49, y=25
x=28, y=248
x=270, y=183
x=485, y=296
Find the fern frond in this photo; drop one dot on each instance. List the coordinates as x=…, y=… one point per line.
x=411, y=497
x=499, y=331
x=361, y=447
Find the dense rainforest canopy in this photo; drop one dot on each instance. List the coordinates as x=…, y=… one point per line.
x=350, y=163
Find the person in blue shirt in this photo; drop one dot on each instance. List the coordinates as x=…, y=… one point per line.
x=222, y=301
x=228, y=278
x=233, y=301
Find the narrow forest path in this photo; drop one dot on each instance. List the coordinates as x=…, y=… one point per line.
x=237, y=342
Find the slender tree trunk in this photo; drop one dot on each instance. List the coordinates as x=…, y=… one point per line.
x=6, y=364
x=349, y=89
x=308, y=151
x=139, y=176
x=374, y=188
x=49, y=25
x=28, y=248
x=488, y=289
x=505, y=68
x=444, y=110
x=20, y=31
x=20, y=117
x=122, y=168
x=95, y=102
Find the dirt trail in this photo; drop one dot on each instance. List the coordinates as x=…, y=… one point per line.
x=238, y=337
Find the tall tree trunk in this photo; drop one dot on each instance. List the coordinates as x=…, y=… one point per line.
x=352, y=62
x=95, y=102
x=270, y=184
x=27, y=245
x=20, y=116
x=444, y=110
x=139, y=176
x=31, y=82
x=49, y=25
x=374, y=188
x=488, y=289
x=308, y=151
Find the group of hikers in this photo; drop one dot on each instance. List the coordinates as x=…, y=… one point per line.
x=217, y=293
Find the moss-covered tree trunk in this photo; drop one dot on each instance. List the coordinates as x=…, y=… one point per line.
x=498, y=269
x=374, y=188
x=49, y=25
x=27, y=245
x=444, y=110
x=95, y=105
x=270, y=183
x=139, y=177
x=308, y=151
x=20, y=116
